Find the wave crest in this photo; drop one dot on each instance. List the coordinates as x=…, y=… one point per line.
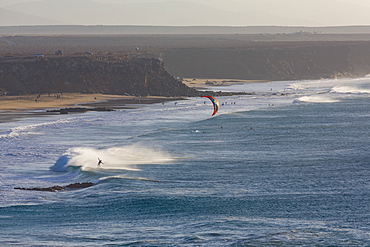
x=316, y=99
x=349, y=89
x=124, y=157
x=32, y=128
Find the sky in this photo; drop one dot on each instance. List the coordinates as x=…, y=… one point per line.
x=186, y=12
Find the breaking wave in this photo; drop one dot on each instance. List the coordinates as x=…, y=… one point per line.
x=349, y=89
x=316, y=99
x=35, y=128
x=123, y=158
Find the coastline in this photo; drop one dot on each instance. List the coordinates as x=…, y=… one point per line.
x=200, y=83
x=16, y=107
x=45, y=101
x=32, y=105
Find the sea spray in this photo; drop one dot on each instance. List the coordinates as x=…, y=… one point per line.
x=123, y=157
x=350, y=89
x=316, y=99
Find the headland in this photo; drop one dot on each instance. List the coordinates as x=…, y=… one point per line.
x=106, y=66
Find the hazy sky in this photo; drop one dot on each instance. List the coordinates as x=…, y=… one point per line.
x=186, y=12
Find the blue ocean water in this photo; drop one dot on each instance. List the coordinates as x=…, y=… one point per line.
x=287, y=166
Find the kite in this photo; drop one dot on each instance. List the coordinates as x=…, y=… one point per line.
x=215, y=103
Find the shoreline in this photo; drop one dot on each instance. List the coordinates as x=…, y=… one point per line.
x=17, y=107
x=46, y=101
x=203, y=83
x=13, y=108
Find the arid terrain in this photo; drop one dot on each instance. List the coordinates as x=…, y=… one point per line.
x=84, y=59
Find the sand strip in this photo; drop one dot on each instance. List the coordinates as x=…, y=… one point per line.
x=198, y=83
x=15, y=107
x=45, y=101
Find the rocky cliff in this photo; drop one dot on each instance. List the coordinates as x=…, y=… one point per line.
x=145, y=75
x=272, y=61
x=89, y=74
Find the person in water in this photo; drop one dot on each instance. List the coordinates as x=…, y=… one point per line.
x=100, y=162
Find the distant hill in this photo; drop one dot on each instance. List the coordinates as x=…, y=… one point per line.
x=87, y=12
x=13, y=18
x=282, y=56
x=142, y=74
x=132, y=29
x=272, y=61
x=195, y=13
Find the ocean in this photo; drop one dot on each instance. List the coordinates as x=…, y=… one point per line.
x=286, y=166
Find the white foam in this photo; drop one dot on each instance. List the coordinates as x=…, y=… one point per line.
x=124, y=157
x=31, y=128
x=344, y=85
x=316, y=99
x=122, y=176
x=349, y=89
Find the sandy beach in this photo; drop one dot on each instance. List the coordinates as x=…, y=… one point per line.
x=33, y=102
x=204, y=83
x=45, y=101
x=27, y=103
x=16, y=107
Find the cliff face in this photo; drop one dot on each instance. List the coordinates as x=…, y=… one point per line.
x=274, y=62
x=89, y=74
x=115, y=74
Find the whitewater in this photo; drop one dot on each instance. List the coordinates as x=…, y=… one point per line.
x=286, y=165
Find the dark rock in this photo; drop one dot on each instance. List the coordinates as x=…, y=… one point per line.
x=101, y=109
x=79, y=185
x=63, y=111
x=80, y=110
x=51, y=189
x=59, y=188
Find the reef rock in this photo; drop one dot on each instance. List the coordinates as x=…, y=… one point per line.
x=60, y=188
